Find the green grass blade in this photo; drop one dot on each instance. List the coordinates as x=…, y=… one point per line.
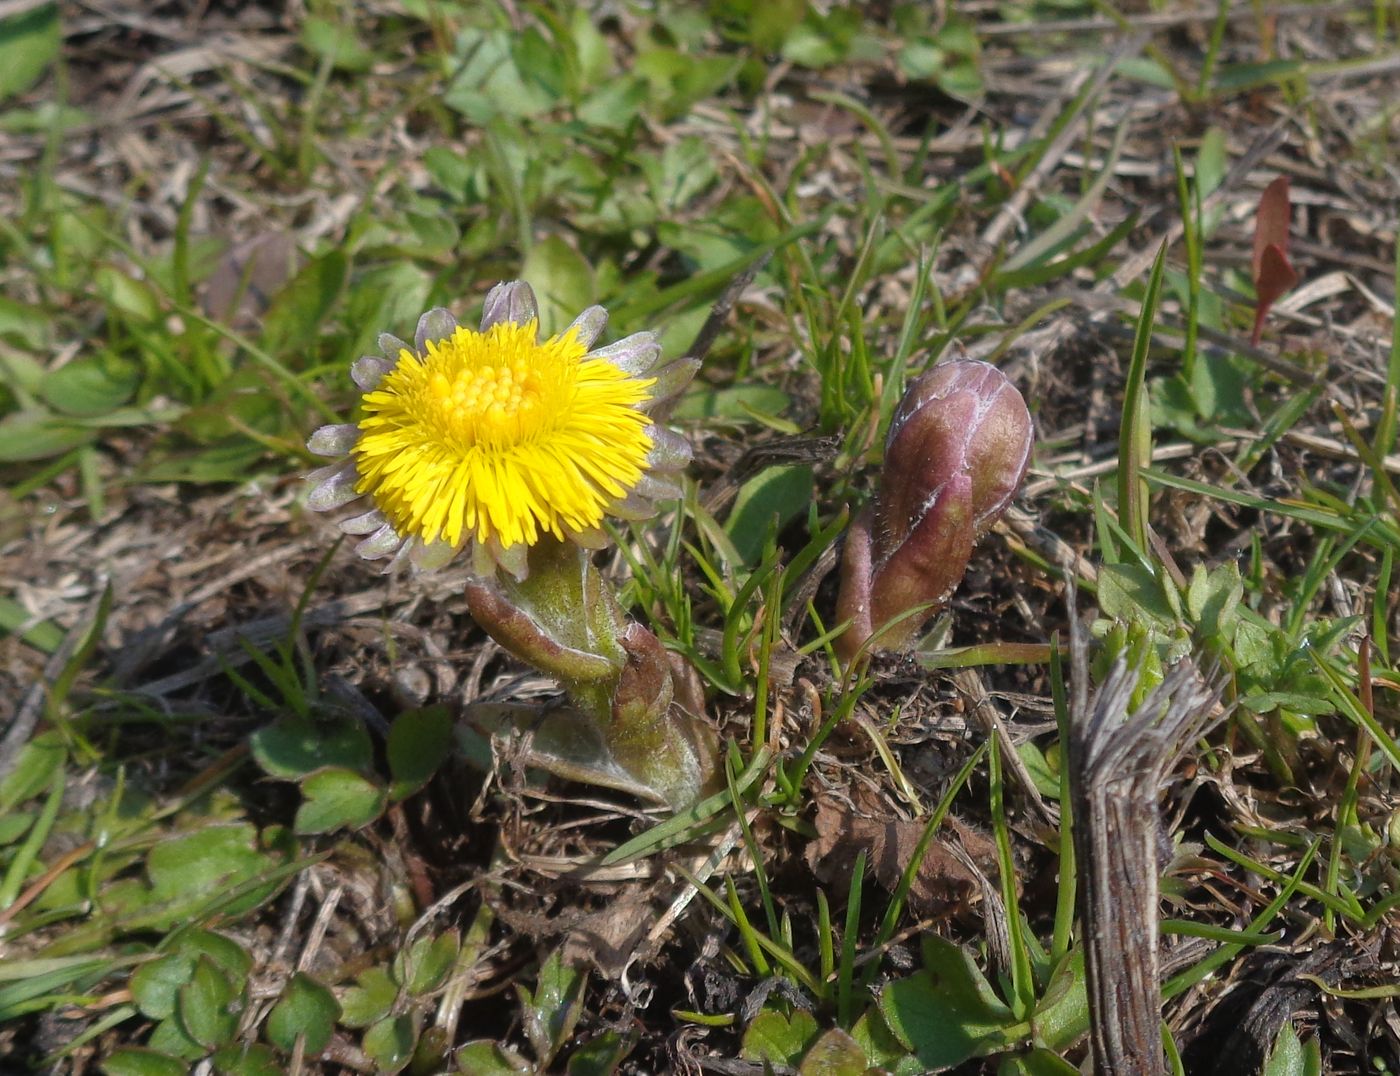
x=1135, y=436
x=676, y=829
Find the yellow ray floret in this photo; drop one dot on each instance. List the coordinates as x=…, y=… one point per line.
x=497, y=435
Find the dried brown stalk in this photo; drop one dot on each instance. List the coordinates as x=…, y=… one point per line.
x=1119, y=758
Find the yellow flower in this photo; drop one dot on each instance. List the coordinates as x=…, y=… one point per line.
x=493, y=438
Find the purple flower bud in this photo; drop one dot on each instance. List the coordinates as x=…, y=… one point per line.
x=957, y=449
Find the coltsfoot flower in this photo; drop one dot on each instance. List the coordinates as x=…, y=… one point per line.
x=957, y=449
x=492, y=438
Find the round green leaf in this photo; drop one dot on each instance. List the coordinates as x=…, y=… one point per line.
x=430, y=961
x=370, y=999
x=208, y=1006
x=485, y=1058
x=419, y=742
x=834, y=1054
x=233, y=960
x=156, y=986
x=89, y=387
x=306, y=1008
x=390, y=1043
x=778, y=1039
x=294, y=747
x=337, y=798
x=248, y=1059
x=170, y=1038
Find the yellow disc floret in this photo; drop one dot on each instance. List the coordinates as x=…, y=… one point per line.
x=497, y=435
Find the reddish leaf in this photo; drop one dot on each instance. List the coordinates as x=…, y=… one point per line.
x=1274, y=278
x=1271, y=221
x=1273, y=274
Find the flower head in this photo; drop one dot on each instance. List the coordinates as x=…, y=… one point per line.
x=957, y=450
x=493, y=438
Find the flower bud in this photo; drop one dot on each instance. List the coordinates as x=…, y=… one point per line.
x=956, y=452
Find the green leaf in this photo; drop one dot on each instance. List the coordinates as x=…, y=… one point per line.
x=208, y=1006
x=390, y=1043
x=293, y=748
x=1061, y=1016
x=766, y=26
x=435, y=235
x=207, y=860
x=386, y=297
x=1135, y=426
x=777, y=1039
x=89, y=387
x=38, y=435
x=29, y=42
x=834, y=1054
x=680, y=175
x=419, y=742
x=450, y=170
x=293, y=321
x=1212, y=161
x=488, y=80
x=881, y=1047
x=592, y=50
x=1221, y=391
x=38, y=761
x=431, y=1052
x=218, y=866
x=141, y=1061
x=337, y=798
x=948, y=1012
x=1130, y=593
x=554, y=1008
x=155, y=986
x=169, y=1038
x=231, y=957
x=615, y=104
x=370, y=999
x=336, y=43
x=962, y=79
x=678, y=79
x=600, y=1056
x=1045, y=776
x=485, y=1058
x=306, y=1008
x=20, y=372
x=1286, y=1056
x=739, y=402
x=1291, y=1057
x=921, y=59
x=126, y=294
x=562, y=279
x=14, y=825
x=248, y=1059
x=1236, y=78
x=1039, y=1062
x=781, y=493
x=1147, y=70
x=430, y=961
x=1213, y=599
